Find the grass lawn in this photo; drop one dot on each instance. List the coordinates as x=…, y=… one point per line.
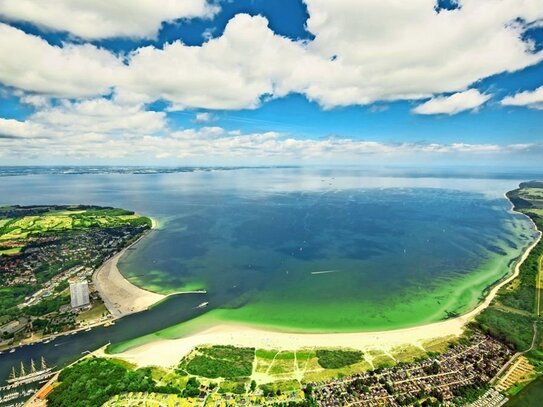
x=11, y=251
x=96, y=312
x=220, y=361
x=334, y=359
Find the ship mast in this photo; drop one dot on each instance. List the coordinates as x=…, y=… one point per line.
x=32, y=366
x=13, y=375
x=43, y=365
x=23, y=372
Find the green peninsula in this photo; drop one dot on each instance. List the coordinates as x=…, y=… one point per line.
x=41, y=249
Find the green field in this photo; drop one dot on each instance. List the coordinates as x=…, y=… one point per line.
x=68, y=237
x=220, y=361
x=12, y=250
x=71, y=218
x=335, y=359
x=516, y=308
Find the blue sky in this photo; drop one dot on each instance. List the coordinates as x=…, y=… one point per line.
x=275, y=82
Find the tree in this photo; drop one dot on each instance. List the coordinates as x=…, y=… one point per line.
x=192, y=388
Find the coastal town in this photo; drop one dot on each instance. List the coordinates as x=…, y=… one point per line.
x=47, y=281
x=446, y=379
x=460, y=376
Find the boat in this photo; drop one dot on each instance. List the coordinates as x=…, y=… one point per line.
x=88, y=329
x=202, y=305
x=34, y=375
x=12, y=350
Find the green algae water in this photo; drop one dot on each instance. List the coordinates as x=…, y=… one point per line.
x=330, y=252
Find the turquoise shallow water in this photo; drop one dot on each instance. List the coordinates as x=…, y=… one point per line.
x=309, y=249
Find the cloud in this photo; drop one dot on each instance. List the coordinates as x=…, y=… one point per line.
x=100, y=116
x=406, y=50
x=204, y=117
x=69, y=121
x=453, y=104
x=532, y=99
x=15, y=129
x=376, y=50
x=229, y=72
x=30, y=63
x=104, y=19
x=100, y=129
x=362, y=52
x=34, y=100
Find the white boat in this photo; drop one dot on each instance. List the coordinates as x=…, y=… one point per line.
x=202, y=305
x=12, y=350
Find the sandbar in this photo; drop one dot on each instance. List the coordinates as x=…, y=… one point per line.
x=120, y=296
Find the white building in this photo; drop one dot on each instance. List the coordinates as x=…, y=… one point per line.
x=79, y=293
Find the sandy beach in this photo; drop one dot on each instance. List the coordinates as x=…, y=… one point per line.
x=120, y=296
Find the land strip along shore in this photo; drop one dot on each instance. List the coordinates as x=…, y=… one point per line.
x=167, y=352
x=120, y=296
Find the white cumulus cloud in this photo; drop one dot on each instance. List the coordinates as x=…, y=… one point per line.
x=532, y=99
x=362, y=52
x=97, y=19
x=455, y=103
x=32, y=64
x=204, y=117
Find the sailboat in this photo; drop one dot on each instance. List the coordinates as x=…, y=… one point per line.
x=33, y=375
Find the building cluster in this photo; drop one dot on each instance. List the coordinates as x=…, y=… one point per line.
x=49, y=255
x=50, y=264
x=449, y=376
x=492, y=398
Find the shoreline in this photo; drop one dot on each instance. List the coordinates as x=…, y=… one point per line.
x=163, y=352
x=108, y=297
x=119, y=295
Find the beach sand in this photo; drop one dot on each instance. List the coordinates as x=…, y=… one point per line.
x=120, y=296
